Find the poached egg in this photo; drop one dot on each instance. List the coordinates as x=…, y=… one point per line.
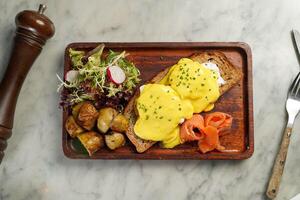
x=189, y=87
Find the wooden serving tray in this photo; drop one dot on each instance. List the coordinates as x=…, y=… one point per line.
x=151, y=58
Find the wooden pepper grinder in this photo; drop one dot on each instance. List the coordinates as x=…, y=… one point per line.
x=33, y=29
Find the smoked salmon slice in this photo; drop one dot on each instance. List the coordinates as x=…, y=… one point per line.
x=221, y=121
x=190, y=129
x=206, y=130
x=210, y=141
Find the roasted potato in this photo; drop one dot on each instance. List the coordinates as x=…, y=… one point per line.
x=120, y=123
x=106, y=116
x=114, y=140
x=87, y=116
x=72, y=127
x=91, y=141
x=75, y=109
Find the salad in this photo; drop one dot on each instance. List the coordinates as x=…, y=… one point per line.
x=104, y=80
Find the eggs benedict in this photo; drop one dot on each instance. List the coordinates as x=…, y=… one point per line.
x=194, y=82
x=189, y=87
x=160, y=109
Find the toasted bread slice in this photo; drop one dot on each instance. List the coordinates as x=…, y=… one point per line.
x=130, y=113
x=140, y=144
x=229, y=73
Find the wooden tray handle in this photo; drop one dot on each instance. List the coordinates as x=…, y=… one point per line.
x=33, y=29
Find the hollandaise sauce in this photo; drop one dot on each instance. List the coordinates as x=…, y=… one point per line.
x=160, y=110
x=195, y=83
x=188, y=88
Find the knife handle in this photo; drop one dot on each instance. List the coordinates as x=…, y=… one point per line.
x=278, y=167
x=33, y=29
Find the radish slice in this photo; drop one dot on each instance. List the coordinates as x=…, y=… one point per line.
x=116, y=74
x=71, y=76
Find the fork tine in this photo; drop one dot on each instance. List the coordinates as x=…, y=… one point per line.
x=297, y=90
x=294, y=85
x=297, y=85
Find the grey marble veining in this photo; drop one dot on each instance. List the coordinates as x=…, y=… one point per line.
x=36, y=168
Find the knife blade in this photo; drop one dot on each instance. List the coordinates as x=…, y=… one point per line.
x=296, y=37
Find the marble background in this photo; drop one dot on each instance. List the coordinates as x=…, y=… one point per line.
x=35, y=167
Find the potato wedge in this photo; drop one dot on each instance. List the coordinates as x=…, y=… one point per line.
x=72, y=127
x=120, y=123
x=114, y=140
x=87, y=116
x=75, y=109
x=106, y=116
x=91, y=141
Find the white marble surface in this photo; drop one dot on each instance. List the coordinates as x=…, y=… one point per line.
x=35, y=167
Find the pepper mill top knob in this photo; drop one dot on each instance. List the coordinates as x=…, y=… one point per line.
x=35, y=25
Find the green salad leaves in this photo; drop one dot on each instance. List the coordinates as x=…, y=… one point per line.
x=92, y=80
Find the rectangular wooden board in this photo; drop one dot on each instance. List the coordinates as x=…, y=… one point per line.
x=151, y=58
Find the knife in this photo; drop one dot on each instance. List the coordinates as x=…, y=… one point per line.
x=296, y=40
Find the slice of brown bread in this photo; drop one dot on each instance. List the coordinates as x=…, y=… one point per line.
x=229, y=73
x=130, y=112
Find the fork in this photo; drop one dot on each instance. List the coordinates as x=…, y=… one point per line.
x=292, y=107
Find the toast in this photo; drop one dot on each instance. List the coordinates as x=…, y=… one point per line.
x=228, y=72
x=130, y=113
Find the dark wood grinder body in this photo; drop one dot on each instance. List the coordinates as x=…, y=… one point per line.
x=33, y=29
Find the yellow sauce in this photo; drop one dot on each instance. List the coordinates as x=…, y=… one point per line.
x=194, y=82
x=160, y=109
x=188, y=88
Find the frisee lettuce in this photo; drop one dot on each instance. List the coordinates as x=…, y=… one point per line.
x=94, y=71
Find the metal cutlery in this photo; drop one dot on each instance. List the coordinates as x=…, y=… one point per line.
x=296, y=40
x=292, y=107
